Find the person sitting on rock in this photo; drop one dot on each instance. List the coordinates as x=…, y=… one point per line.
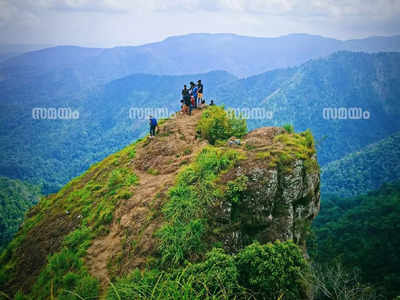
x=202, y=104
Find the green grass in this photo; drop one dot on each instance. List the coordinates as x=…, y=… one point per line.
x=182, y=237
x=295, y=146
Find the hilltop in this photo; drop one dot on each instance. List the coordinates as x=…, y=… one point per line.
x=187, y=197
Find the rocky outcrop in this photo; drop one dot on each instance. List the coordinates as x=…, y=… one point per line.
x=275, y=201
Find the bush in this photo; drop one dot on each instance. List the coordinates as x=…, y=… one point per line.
x=218, y=273
x=214, y=278
x=289, y=128
x=273, y=270
x=216, y=124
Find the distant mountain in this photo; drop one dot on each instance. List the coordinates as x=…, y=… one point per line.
x=10, y=50
x=16, y=197
x=190, y=54
x=364, y=170
x=310, y=96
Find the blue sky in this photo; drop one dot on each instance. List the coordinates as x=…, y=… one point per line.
x=108, y=23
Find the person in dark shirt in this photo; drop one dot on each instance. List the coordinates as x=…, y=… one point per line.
x=186, y=100
x=212, y=102
x=199, y=91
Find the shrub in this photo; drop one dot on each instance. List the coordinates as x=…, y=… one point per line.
x=273, y=270
x=214, y=278
x=236, y=188
x=217, y=272
x=216, y=124
x=289, y=128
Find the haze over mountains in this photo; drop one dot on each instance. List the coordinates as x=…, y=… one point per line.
x=191, y=54
x=11, y=50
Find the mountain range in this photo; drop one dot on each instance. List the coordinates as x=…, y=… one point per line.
x=53, y=151
x=242, y=56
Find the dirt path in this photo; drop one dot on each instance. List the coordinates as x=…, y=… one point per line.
x=131, y=235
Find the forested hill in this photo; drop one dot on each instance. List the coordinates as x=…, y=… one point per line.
x=362, y=233
x=16, y=198
x=364, y=170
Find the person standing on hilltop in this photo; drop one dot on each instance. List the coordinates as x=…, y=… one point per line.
x=186, y=100
x=200, y=91
x=191, y=93
x=153, y=125
x=194, y=93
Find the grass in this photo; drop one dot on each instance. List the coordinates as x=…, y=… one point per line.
x=182, y=237
x=152, y=171
x=293, y=147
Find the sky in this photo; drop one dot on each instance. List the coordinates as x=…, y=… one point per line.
x=109, y=23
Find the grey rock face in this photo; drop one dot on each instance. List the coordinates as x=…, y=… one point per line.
x=276, y=204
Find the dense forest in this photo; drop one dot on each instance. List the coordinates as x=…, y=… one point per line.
x=362, y=234
x=16, y=198
x=364, y=170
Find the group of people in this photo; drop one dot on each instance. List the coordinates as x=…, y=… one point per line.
x=192, y=97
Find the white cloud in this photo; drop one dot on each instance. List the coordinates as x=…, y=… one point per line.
x=10, y=14
x=118, y=22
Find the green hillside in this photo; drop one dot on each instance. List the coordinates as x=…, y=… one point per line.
x=364, y=170
x=16, y=198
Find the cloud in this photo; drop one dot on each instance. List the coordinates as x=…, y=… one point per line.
x=119, y=22
x=103, y=6
x=11, y=14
